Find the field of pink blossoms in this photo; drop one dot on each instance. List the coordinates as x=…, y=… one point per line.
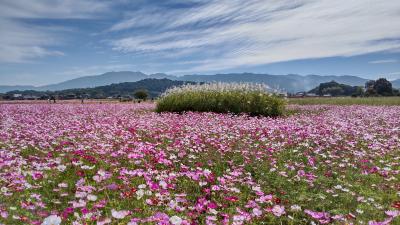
x=124, y=164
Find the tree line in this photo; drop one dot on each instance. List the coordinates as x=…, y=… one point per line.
x=379, y=87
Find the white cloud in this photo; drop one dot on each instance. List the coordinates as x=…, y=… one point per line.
x=233, y=33
x=390, y=76
x=22, y=42
x=383, y=61
x=51, y=8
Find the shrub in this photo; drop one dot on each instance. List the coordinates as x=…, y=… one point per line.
x=252, y=99
x=141, y=94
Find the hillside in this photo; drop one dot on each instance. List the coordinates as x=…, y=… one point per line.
x=97, y=80
x=334, y=88
x=7, y=88
x=154, y=87
x=290, y=83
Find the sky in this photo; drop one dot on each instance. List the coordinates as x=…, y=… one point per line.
x=49, y=41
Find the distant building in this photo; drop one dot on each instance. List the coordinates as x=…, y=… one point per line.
x=311, y=95
x=283, y=94
x=30, y=97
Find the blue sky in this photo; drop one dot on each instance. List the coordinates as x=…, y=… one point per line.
x=48, y=41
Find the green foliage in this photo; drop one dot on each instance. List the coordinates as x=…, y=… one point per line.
x=141, y=94
x=252, y=102
x=335, y=89
x=383, y=87
x=380, y=87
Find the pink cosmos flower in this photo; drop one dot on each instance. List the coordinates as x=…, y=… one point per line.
x=103, y=222
x=212, y=205
x=37, y=176
x=232, y=198
x=393, y=213
x=386, y=222
x=301, y=173
x=278, y=210
x=257, y=212
x=4, y=214
x=322, y=217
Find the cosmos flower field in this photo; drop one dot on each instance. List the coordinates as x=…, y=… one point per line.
x=125, y=164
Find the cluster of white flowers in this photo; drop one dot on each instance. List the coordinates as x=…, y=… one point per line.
x=52, y=220
x=220, y=87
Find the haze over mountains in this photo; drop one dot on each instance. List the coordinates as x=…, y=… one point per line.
x=290, y=83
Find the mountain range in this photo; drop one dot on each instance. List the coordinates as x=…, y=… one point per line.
x=154, y=88
x=289, y=83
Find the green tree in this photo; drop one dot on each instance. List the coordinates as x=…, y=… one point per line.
x=141, y=94
x=334, y=91
x=383, y=87
x=358, y=92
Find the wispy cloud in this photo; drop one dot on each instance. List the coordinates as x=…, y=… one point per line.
x=383, y=61
x=22, y=42
x=391, y=76
x=231, y=33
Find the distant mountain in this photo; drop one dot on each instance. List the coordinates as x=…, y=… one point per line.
x=6, y=88
x=154, y=87
x=100, y=80
x=290, y=83
x=90, y=81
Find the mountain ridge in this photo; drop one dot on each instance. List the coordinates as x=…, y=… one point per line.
x=289, y=82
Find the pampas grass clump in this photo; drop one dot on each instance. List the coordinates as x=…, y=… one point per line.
x=236, y=98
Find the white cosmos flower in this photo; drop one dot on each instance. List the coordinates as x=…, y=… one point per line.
x=4, y=189
x=163, y=184
x=119, y=214
x=295, y=208
x=175, y=220
x=207, y=171
x=62, y=185
x=61, y=168
x=86, y=167
x=140, y=193
x=52, y=220
x=92, y=198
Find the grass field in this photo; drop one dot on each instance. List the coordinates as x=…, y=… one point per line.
x=346, y=101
